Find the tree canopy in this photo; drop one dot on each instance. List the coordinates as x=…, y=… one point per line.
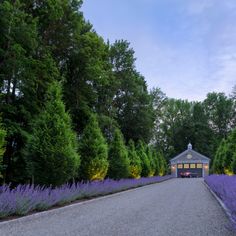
x=99, y=91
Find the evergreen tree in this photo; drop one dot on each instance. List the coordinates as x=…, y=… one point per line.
x=157, y=161
x=230, y=164
x=118, y=157
x=145, y=163
x=224, y=161
x=26, y=70
x=52, y=147
x=94, y=152
x=163, y=165
x=135, y=162
x=150, y=156
x=233, y=165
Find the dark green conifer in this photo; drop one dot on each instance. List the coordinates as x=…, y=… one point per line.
x=52, y=146
x=135, y=162
x=94, y=152
x=118, y=157
x=146, y=168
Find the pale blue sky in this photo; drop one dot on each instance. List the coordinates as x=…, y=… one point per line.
x=185, y=47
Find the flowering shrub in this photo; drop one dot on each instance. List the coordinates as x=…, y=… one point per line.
x=27, y=198
x=225, y=188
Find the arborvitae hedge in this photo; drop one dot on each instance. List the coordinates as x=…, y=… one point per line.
x=157, y=162
x=118, y=157
x=229, y=161
x=135, y=162
x=163, y=165
x=225, y=158
x=151, y=157
x=94, y=152
x=233, y=165
x=145, y=163
x=217, y=166
x=52, y=147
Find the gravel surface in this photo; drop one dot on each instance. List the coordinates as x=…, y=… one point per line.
x=174, y=207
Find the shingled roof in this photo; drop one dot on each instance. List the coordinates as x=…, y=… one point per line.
x=190, y=156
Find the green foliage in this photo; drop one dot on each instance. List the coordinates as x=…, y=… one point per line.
x=2, y=140
x=156, y=158
x=229, y=162
x=94, y=152
x=218, y=166
x=233, y=165
x=203, y=123
x=132, y=100
x=51, y=41
x=46, y=41
x=2, y=147
x=151, y=157
x=58, y=23
x=162, y=165
x=26, y=70
x=135, y=162
x=220, y=112
x=118, y=157
x=233, y=93
x=224, y=161
x=173, y=126
x=52, y=147
x=145, y=162
x=89, y=79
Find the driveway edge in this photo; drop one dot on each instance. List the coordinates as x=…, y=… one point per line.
x=220, y=202
x=72, y=205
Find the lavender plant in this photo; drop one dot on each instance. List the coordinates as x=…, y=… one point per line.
x=27, y=198
x=225, y=188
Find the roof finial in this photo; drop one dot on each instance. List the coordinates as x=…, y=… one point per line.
x=190, y=146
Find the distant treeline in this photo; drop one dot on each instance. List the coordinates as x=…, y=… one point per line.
x=75, y=107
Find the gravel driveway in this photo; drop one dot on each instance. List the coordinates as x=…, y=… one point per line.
x=174, y=207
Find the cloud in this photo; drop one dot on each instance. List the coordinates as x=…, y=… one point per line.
x=180, y=72
x=224, y=63
x=185, y=47
x=200, y=6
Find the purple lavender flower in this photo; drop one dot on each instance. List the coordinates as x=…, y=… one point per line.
x=225, y=188
x=27, y=198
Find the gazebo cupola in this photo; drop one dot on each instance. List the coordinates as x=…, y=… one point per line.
x=190, y=146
